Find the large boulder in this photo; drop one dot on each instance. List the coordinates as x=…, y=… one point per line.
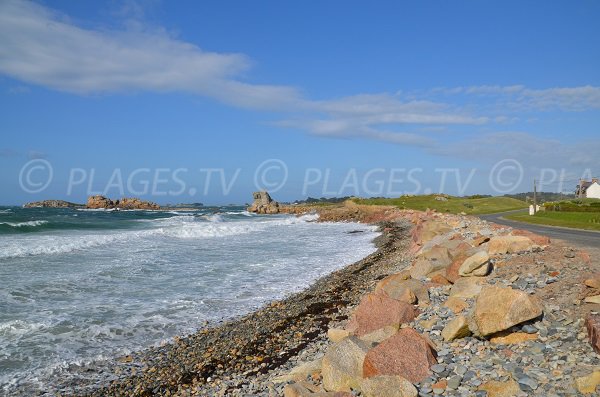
x=427, y=230
x=380, y=334
x=387, y=386
x=588, y=384
x=467, y=287
x=457, y=328
x=499, y=308
x=342, y=365
x=436, y=258
x=592, y=324
x=99, y=202
x=511, y=338
x=376, y=311
x=456, y=305
x=307, y=389
x=451, y=272
x=337, y=334
x=263, y=204
x=509, y=245
x=477, y=264
x=536, y=238
x=407, y=354
x=136, y=204
x=397, y=286
x=495, y=388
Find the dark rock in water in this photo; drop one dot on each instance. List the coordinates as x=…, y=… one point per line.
x=263, y=204
x=53, y=204
x=355, y=231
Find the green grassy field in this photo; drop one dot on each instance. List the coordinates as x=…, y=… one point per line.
x=475, y=206
x=578, y=220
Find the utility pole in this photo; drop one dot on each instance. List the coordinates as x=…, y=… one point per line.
x=534, y=197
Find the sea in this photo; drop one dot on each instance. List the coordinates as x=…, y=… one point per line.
x=82, y=286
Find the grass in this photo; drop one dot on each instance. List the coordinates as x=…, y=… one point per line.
x=455, y=205
x=577, y=220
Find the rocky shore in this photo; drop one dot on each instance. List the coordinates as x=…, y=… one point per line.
x=242, y=357
x=449, y=305
x=481, y=311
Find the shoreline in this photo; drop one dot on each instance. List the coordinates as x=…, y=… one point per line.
x=241, y=355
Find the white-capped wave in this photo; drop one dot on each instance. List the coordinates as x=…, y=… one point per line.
x=22, y=224
x=18, y=327
x=48, y=245
x=245, y=213
x=6, y=211
x=309, y=217
x=179, y=226
x=215, y=218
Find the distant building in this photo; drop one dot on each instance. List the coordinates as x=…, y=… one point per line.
x=588, y=189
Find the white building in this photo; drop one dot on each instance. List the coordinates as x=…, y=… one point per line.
x=588, y=189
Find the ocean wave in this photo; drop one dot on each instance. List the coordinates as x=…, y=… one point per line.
x=51, y=245
x=215, y=218
x=244, y=213
x=6, y=211
x=179, y=227
x=18, y=327
x=309, y=217
x=25, y=224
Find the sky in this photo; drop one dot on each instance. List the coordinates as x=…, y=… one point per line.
x=192, y=101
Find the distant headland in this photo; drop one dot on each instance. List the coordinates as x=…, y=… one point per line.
x=98, y=202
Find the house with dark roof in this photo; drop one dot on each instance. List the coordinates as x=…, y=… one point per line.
x=588, y=189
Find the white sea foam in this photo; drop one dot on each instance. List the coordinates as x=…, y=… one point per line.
x=18, y=327
x=23, y=224
x=179, y=226
x=6, y=211
x=126, y=289
x=215, y=218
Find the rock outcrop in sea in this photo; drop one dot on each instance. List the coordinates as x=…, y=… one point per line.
x=53, y=204
x=101, y=202
x=264, y=204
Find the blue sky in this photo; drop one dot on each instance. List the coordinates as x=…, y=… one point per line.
x=303, y=98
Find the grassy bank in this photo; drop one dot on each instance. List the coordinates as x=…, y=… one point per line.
x=577, y=220
x=455, y=205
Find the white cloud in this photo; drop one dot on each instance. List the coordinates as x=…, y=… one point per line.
x=520, y=98
x=42, y=47
x=529, y=149
x=563, y=98
x=341, y=128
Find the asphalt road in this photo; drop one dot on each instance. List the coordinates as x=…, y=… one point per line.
x=586, y=238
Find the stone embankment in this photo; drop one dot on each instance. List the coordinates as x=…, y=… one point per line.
x=482, y=310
